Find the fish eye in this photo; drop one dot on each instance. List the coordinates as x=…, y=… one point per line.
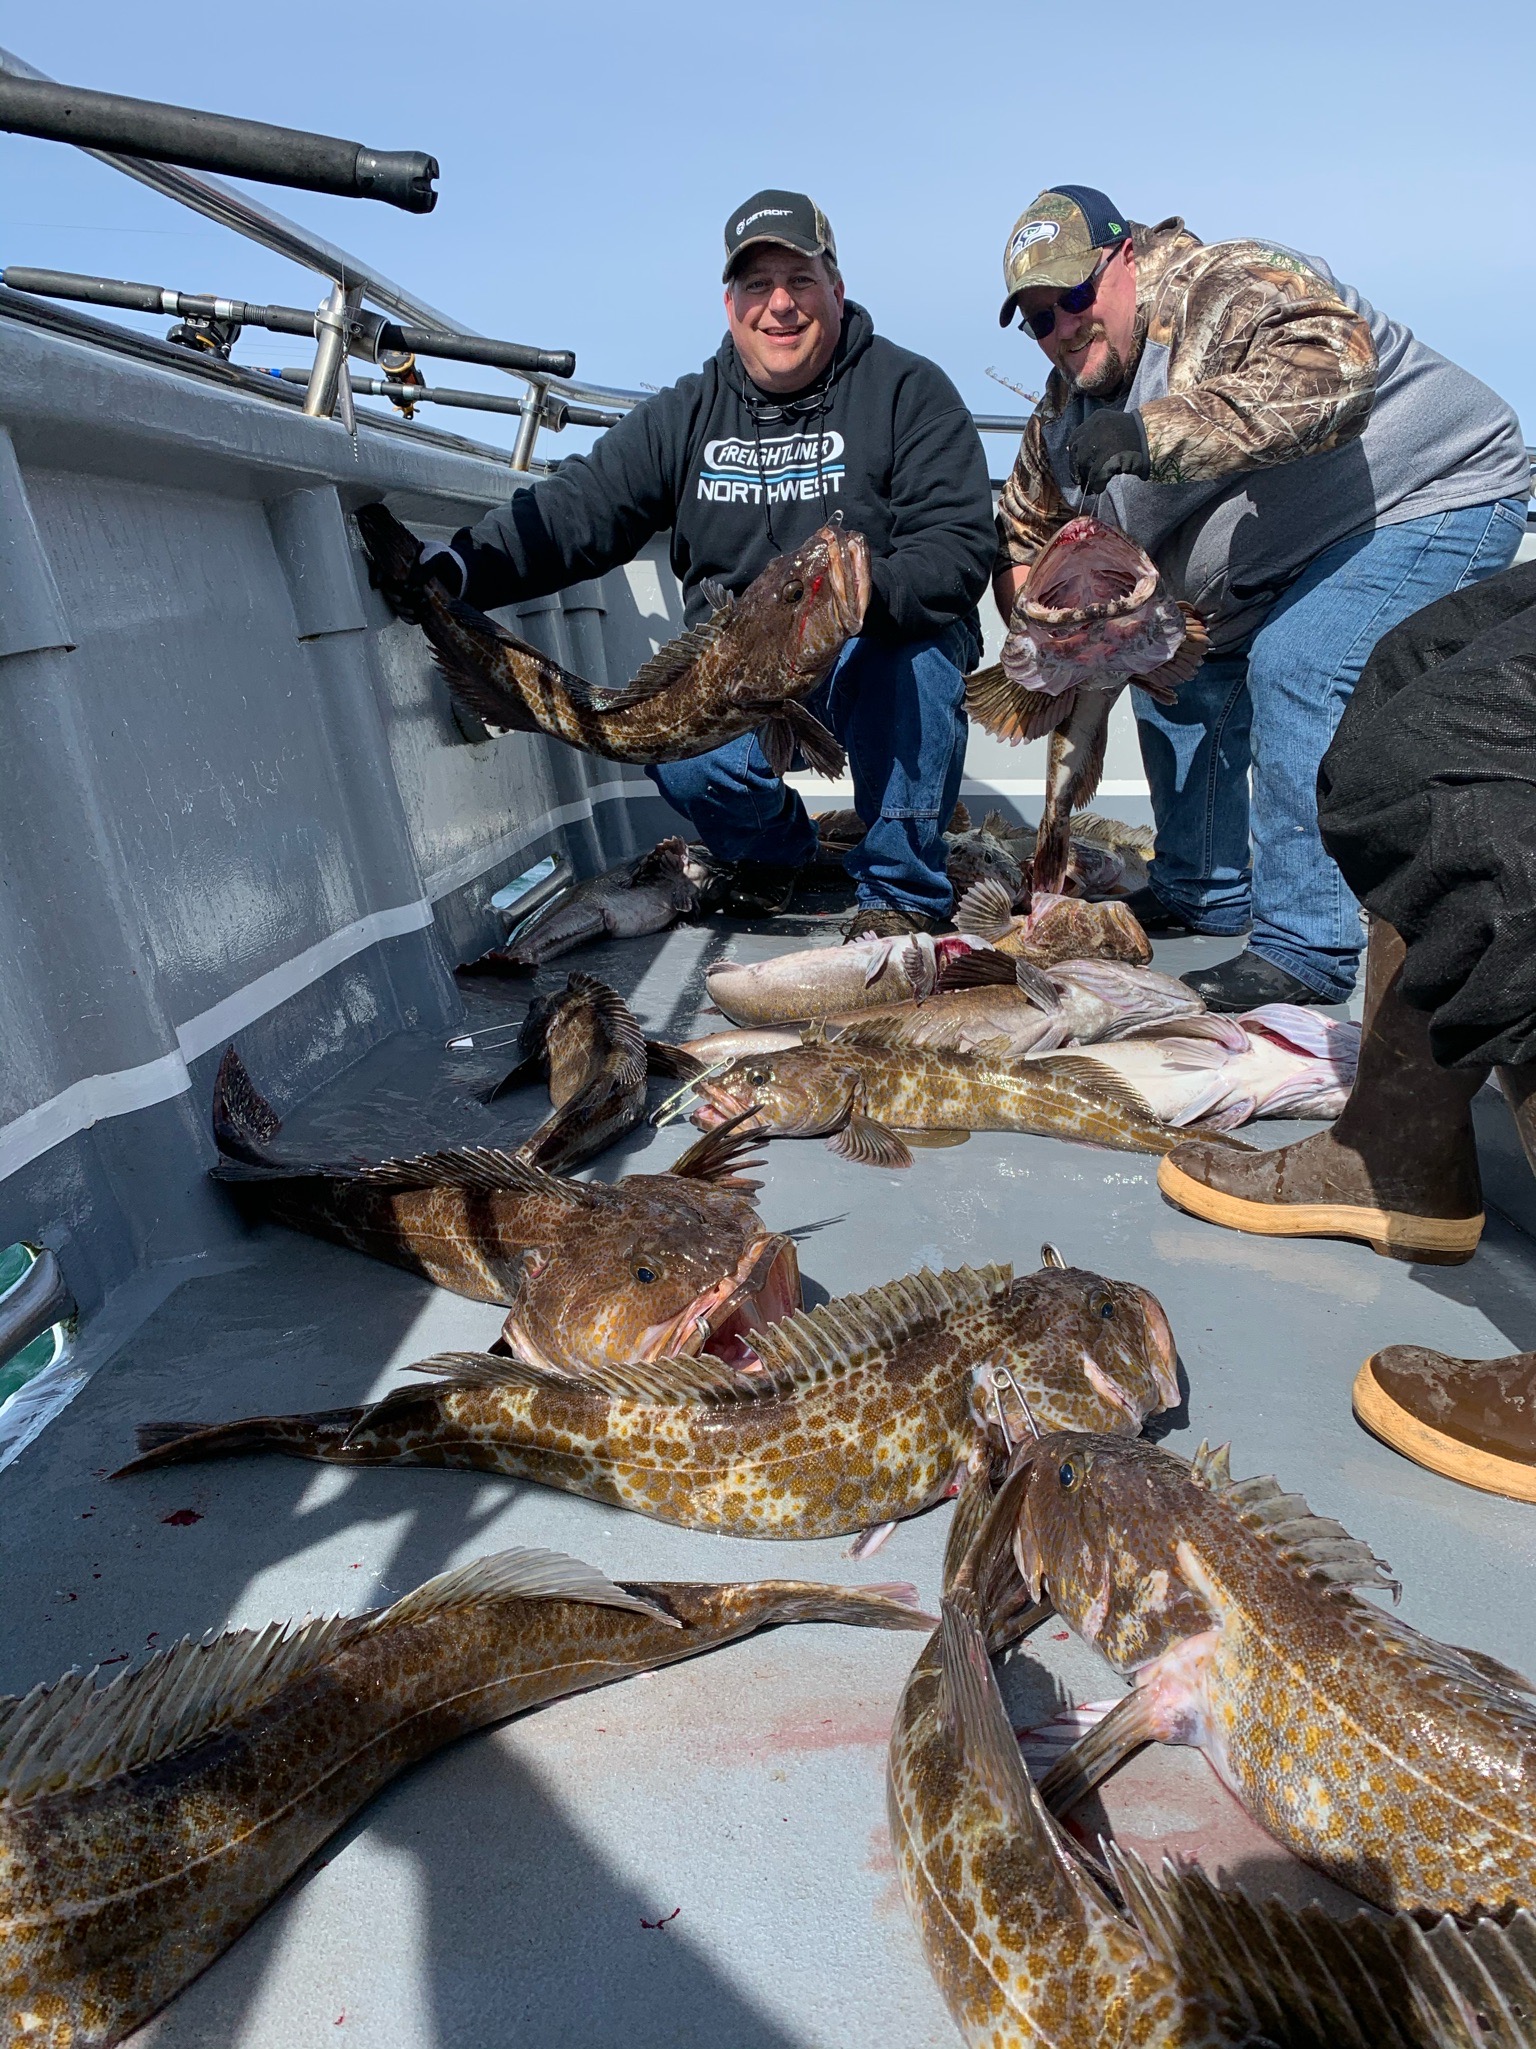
x=645, y=1273
x=759, y=1075
x=1067, y=1474
x=1107, y=1308
x=793, y=591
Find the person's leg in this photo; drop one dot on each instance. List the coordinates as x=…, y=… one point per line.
x=900, y=712
x=737, y=806
x=1303, y=665
x=1196, y=755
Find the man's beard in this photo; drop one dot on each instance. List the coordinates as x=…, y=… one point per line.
x=1108, y=378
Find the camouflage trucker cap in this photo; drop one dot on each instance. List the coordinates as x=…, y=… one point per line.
x=1056, y=242
x=792, y=218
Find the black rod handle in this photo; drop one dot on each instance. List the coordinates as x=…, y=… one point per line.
x=474, y=348
x=216, y=142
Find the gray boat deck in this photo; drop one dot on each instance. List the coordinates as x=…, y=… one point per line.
x=508, y=1891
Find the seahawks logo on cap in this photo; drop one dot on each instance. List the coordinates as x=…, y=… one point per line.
x=1030, y=233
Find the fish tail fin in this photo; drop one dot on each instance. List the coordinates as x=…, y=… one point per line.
x=173, y=1444
x=243, y=1120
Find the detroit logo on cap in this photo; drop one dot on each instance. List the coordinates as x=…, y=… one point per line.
x=1032, y=232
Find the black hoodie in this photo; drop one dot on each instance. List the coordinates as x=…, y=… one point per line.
x=884, y=439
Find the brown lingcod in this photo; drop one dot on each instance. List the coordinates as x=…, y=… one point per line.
x=863, y=1411
x=145, y=1823
x=1402, y=1767
x=1092, y=616
x=653, y=1265
x=1052, y=928
x=870, y=1094
x=745, y=668
x=588, y=1046
x=1034, y=1945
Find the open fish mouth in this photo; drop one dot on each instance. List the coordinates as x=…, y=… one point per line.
x=717, y=1105
x=720, y=1322
x=1089, y=572
x=848, y=574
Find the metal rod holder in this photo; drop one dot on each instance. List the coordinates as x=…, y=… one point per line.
x=333, y=324
x=528, y=426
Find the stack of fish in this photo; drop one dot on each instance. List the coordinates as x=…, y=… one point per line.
x=1399, y=1766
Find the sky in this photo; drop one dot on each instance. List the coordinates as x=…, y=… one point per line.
x=590, y=156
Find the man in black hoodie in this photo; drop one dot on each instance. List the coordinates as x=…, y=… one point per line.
x=802, y=414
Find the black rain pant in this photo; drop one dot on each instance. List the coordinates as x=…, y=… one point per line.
x=1427, y=801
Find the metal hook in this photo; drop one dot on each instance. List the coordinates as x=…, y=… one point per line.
x=1049, y=1256
x=1002, y=1376
x=668, y=1112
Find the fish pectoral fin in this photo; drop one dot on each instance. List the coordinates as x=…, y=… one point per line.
x=869, y=1541
x=973, y=1505
x=776, y=738
x=979, y=1720
x=1009, y=713
x=1036, y=984
x=719, y=1154
x=980, y=967
x=1129, y=1725
x=869, y=1143
x=1163, y=684
x=934, y=1137
x=821, y=747
x=986, y=910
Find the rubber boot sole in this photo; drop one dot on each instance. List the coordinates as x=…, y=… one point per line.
x=1435, y=1241
x=1426, y=1446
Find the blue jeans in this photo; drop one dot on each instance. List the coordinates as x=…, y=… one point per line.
x=1271, y=712
x=900, y=712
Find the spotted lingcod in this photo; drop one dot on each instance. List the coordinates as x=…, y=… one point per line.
x=1402, y=1767
x=653, y=1265
x=869, y=1093
x=863, y=1411
x=1093, y=615
x=145, y=1823
x=1035, y=1945
x=745, y=669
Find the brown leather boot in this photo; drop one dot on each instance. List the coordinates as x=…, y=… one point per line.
x=1398, y=1169
x=1472, y=1419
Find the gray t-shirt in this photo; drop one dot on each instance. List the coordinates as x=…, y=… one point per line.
x=1437, y=439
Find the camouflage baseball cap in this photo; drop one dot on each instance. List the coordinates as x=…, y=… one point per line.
x=1056, y=241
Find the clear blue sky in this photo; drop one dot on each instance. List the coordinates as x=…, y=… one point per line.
x=589, y=156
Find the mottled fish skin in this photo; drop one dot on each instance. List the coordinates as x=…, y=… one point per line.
x=1054, y=929
x=849, y=1085
x=1403, y=1768
x=749, y=665
x=594, y=1053
x=654, y=1263
x=860, y=1412
x=1024, y=1946
x=121, y=1885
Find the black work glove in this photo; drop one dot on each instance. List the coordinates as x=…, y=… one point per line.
x=1108, y=444
x=405, y=595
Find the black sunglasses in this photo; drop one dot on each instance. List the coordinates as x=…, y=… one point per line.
x=1077, y=300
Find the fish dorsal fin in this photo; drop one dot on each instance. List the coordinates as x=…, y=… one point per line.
x=667, y=858
x=72, y=1735
x=1364, y=1983
x=1087, y=1073
x=877, y=1034
x=986, y=910
x=1470, y=1680
x=1009, y=713
x=999, y=827
x=851, y=1331
x=519, y=1575
x=669, y=662
x=1112, y=832
x=979, y=1722
x=670, y=1382
x=1212, y=1467
x=473, y=1166
x=1317, y=1545
x=720, y=1154
x=959, y=819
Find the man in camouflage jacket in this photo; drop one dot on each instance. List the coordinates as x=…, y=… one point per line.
x=1306, y=474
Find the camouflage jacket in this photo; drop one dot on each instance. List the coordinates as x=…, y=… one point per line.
x=1266, y=363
